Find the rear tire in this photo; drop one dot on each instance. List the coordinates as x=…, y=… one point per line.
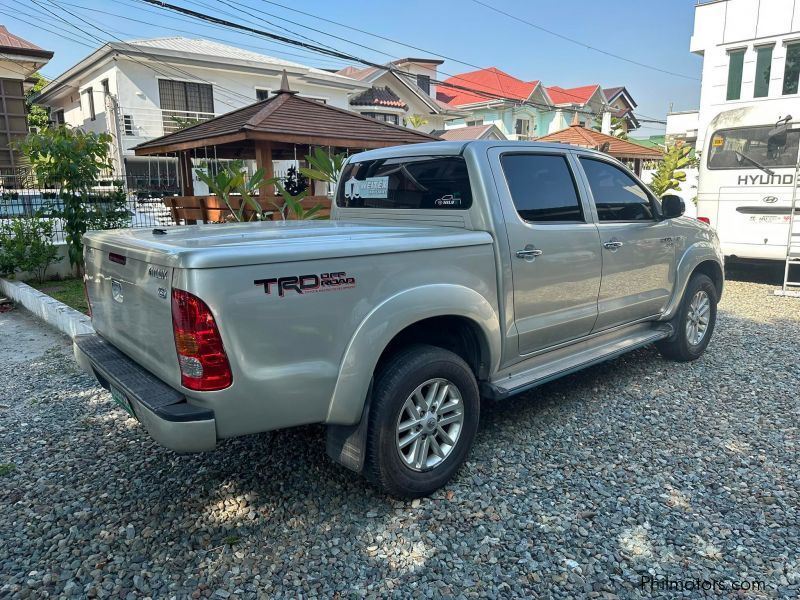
x=694, y=322
x=422, y=421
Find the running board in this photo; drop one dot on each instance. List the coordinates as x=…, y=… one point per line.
x=551, y=365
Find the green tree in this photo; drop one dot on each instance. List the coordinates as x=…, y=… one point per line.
x=37, y=114
x=669, y=174
x=72, y=162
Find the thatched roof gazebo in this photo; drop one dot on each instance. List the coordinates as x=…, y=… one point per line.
x=282, y=127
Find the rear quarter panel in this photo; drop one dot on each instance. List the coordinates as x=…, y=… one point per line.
x=286, y=351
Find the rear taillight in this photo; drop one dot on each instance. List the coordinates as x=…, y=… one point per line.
x=204, y=365
x=705, y=220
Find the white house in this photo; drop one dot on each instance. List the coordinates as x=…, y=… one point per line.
x=406, y=89
x=143, y=89
x=751, y=56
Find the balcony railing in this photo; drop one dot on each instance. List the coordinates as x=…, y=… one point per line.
x=140, y=124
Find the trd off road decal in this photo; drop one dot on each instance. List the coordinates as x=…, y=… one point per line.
x=307, y=284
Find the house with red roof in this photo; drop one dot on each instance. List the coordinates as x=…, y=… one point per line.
x=521, y=110
x=19, y=59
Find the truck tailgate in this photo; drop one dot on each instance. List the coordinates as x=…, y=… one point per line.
x=131, y=306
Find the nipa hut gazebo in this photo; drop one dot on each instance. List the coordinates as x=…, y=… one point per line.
x=283, y=127
x=628, y=152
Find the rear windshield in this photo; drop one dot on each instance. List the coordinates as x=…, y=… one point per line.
x=407, y=182
x=731, y=148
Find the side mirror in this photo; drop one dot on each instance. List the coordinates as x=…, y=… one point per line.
x=672, y=206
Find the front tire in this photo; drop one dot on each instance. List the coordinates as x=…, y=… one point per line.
x=694, y=323
x=422, y=421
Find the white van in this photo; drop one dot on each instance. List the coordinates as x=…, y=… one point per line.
x=747, y=171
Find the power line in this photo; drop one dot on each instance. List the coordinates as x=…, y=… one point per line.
x=175, y=29
x=344, y=55
x=63, y=35
x=582, y=44
x=141, y=50
x=565, y=92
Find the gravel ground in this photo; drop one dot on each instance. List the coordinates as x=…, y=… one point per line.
x=637, y=468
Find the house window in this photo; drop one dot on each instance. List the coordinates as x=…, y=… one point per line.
x=424, y=83
x=735, y=66
x=58, y=117
x=262, y=95
x=185, y=96
x=475, y=122
x=90, y=102
x=522, y=127
x=791, y=74
x=127, y=124
x=763, y=68
x=106, y=89
x=388, y=118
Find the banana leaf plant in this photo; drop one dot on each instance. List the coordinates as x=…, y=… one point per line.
x=233, y=179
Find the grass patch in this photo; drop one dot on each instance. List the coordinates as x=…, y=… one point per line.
x=68, y=291
x=7, y=469
x=231, y=540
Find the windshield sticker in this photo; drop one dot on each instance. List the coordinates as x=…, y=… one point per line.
x=448, y=200
x=371, y=187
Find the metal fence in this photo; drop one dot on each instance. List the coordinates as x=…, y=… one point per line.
x=109, y=205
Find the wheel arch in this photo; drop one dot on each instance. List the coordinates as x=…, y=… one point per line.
x=703, y=257
x=453, y=317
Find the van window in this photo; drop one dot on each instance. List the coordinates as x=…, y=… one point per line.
x=731, y=148
x=542, y=188
x=406, y=182
x=617, y=195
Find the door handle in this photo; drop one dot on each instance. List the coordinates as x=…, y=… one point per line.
x=529, y=253
x=612, y=245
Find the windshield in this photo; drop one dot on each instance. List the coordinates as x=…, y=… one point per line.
x=731, y=148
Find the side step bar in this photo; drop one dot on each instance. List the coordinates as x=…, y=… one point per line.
x=551, y=365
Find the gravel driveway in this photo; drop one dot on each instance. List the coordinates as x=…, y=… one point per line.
x=637, y=468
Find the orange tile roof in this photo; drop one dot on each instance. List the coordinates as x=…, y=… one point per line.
x=493, y=81
x=577, y=95
x=577, y=135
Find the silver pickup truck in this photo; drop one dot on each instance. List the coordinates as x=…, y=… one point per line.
x=448, y=272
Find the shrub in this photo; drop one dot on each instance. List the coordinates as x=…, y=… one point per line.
x=26, y=245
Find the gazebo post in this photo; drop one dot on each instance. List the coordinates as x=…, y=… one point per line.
x=263, y=150
x=185, y=163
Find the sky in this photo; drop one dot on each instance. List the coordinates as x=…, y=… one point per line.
x=651, y=32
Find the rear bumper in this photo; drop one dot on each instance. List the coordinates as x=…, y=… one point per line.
x=164, y=411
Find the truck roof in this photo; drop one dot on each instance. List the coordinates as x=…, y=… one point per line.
x=444, y=148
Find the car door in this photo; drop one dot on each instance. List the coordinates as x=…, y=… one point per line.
x=555, y=248
x=638, y=248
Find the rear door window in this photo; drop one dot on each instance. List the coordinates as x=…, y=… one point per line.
x=407, y=182
x=542, y=188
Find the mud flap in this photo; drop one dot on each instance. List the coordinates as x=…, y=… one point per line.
x=347, y=444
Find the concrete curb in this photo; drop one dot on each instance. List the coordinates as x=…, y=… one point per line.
x=67, y=320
